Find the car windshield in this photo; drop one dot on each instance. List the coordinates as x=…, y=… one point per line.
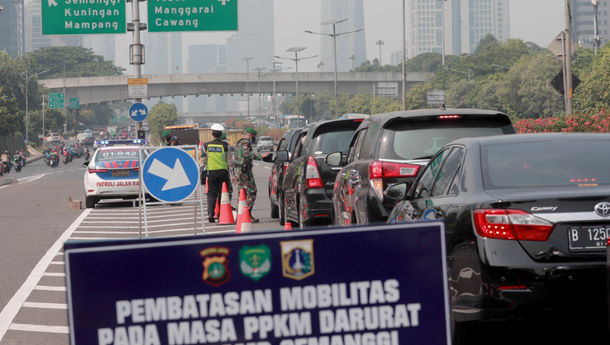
x=546, y=163
x=332, y=142
x=268, y=139
x=422, y=139
x=107, y=155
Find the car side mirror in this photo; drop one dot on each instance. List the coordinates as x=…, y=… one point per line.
x=281, y=156
x=85, y=164
x=334, y=159
x=396, y=192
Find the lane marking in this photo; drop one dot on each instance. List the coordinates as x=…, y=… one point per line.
x=39, y=328
x=49, y=288
x=137, y=222
x=12, y=307
x=57, y=262
x=41, y=305
x=31, y=178
x=53, y=274
x=127, y=227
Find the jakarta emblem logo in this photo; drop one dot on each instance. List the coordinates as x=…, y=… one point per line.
x=255, y=262
x=297, y=259
x=215, y=265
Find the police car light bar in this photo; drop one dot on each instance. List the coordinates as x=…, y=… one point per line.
x=121, y=142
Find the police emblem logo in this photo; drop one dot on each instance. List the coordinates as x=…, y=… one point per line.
x=215, y=265
x=255, y=262
x=297, y=259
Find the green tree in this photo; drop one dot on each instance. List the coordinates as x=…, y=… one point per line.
x=416, y=97
x=593, y=93
x=161, y=115
x=10, y=116
x=78, y=62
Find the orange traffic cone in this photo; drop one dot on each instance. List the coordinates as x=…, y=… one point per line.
x=246, y=222
x=226, y=212
x=240, y=209
x=287, y=226
x=217, y=208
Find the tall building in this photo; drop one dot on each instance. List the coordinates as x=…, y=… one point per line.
x=103, y=45
x=163, y=53
x=255, y=36
x=347, y=45
x=208, y=58
x=464, y=22
x=11, y=27
x=33, y=31
x=583, y=21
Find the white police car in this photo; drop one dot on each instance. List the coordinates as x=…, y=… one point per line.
x=112, y=172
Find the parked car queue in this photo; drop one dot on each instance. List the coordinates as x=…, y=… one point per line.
x=527, y=216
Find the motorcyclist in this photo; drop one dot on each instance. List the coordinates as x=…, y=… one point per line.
x=6, y=162
x=17, y=161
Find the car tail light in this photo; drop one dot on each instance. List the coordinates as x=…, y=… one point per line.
x=97, y=170
x=511, y=225
x=312, y=175
x=379, y=170
x=448, y=117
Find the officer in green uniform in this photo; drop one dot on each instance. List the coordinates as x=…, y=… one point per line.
x=217, y=167
x=165, y=138
x=243, y=167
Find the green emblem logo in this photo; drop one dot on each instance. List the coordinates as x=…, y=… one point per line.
x=255, y=262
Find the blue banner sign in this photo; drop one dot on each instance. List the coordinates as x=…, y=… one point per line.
x=384, y=285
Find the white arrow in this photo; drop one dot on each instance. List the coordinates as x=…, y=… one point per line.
x=175, y=177
x=142, y=112
x=52, y=3
x=134, y=113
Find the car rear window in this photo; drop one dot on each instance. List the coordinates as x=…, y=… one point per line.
x=332, y=142
x=546, y=163
x=265, y=139
x=423, y=138
x=108, y=155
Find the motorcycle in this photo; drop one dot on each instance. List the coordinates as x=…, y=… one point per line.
x=6, y=167
x=66, y=159
x=53, y=161
x=18, y=165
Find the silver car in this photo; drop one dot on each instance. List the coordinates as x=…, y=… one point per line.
x=265, y=143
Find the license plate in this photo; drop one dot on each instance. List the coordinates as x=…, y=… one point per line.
x=120, y=173
x=588, y=238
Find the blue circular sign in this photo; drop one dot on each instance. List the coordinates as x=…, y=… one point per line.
x=170, y=174
x=138, y=112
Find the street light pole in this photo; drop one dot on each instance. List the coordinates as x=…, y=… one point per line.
x=274, y=63
x=568, y=60
x=334, y=36
x=259, y=70
x=296, y=60
x=596, y=39
x=247, y=60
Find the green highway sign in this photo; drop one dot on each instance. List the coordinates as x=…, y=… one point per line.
x=192, y=15
x=74, y=103
x=65, y=17
x=56, y=100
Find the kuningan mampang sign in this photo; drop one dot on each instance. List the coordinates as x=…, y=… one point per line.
x=381, y=285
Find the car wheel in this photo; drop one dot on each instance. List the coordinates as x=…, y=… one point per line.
x=90, y=201
x=275, y=211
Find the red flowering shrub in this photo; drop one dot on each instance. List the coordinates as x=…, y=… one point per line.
x=598, y=123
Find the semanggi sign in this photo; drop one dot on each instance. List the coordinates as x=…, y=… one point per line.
x=382, y=285
x=83, y=17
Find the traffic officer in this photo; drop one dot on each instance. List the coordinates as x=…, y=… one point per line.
x=217, y=167
x=243, y=167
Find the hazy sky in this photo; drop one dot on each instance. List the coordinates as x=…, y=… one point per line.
x=531, y=20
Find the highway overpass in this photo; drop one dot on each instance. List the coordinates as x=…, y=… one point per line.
x=108, y=89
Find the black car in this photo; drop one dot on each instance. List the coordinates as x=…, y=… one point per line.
x=527, y=222
x=280, y=164
x=392, y=148
x=308, y=182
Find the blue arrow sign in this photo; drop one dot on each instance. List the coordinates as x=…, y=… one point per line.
x=138, y=112
x=170, y=174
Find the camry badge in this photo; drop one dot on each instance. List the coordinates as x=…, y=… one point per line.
x=603, y=209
